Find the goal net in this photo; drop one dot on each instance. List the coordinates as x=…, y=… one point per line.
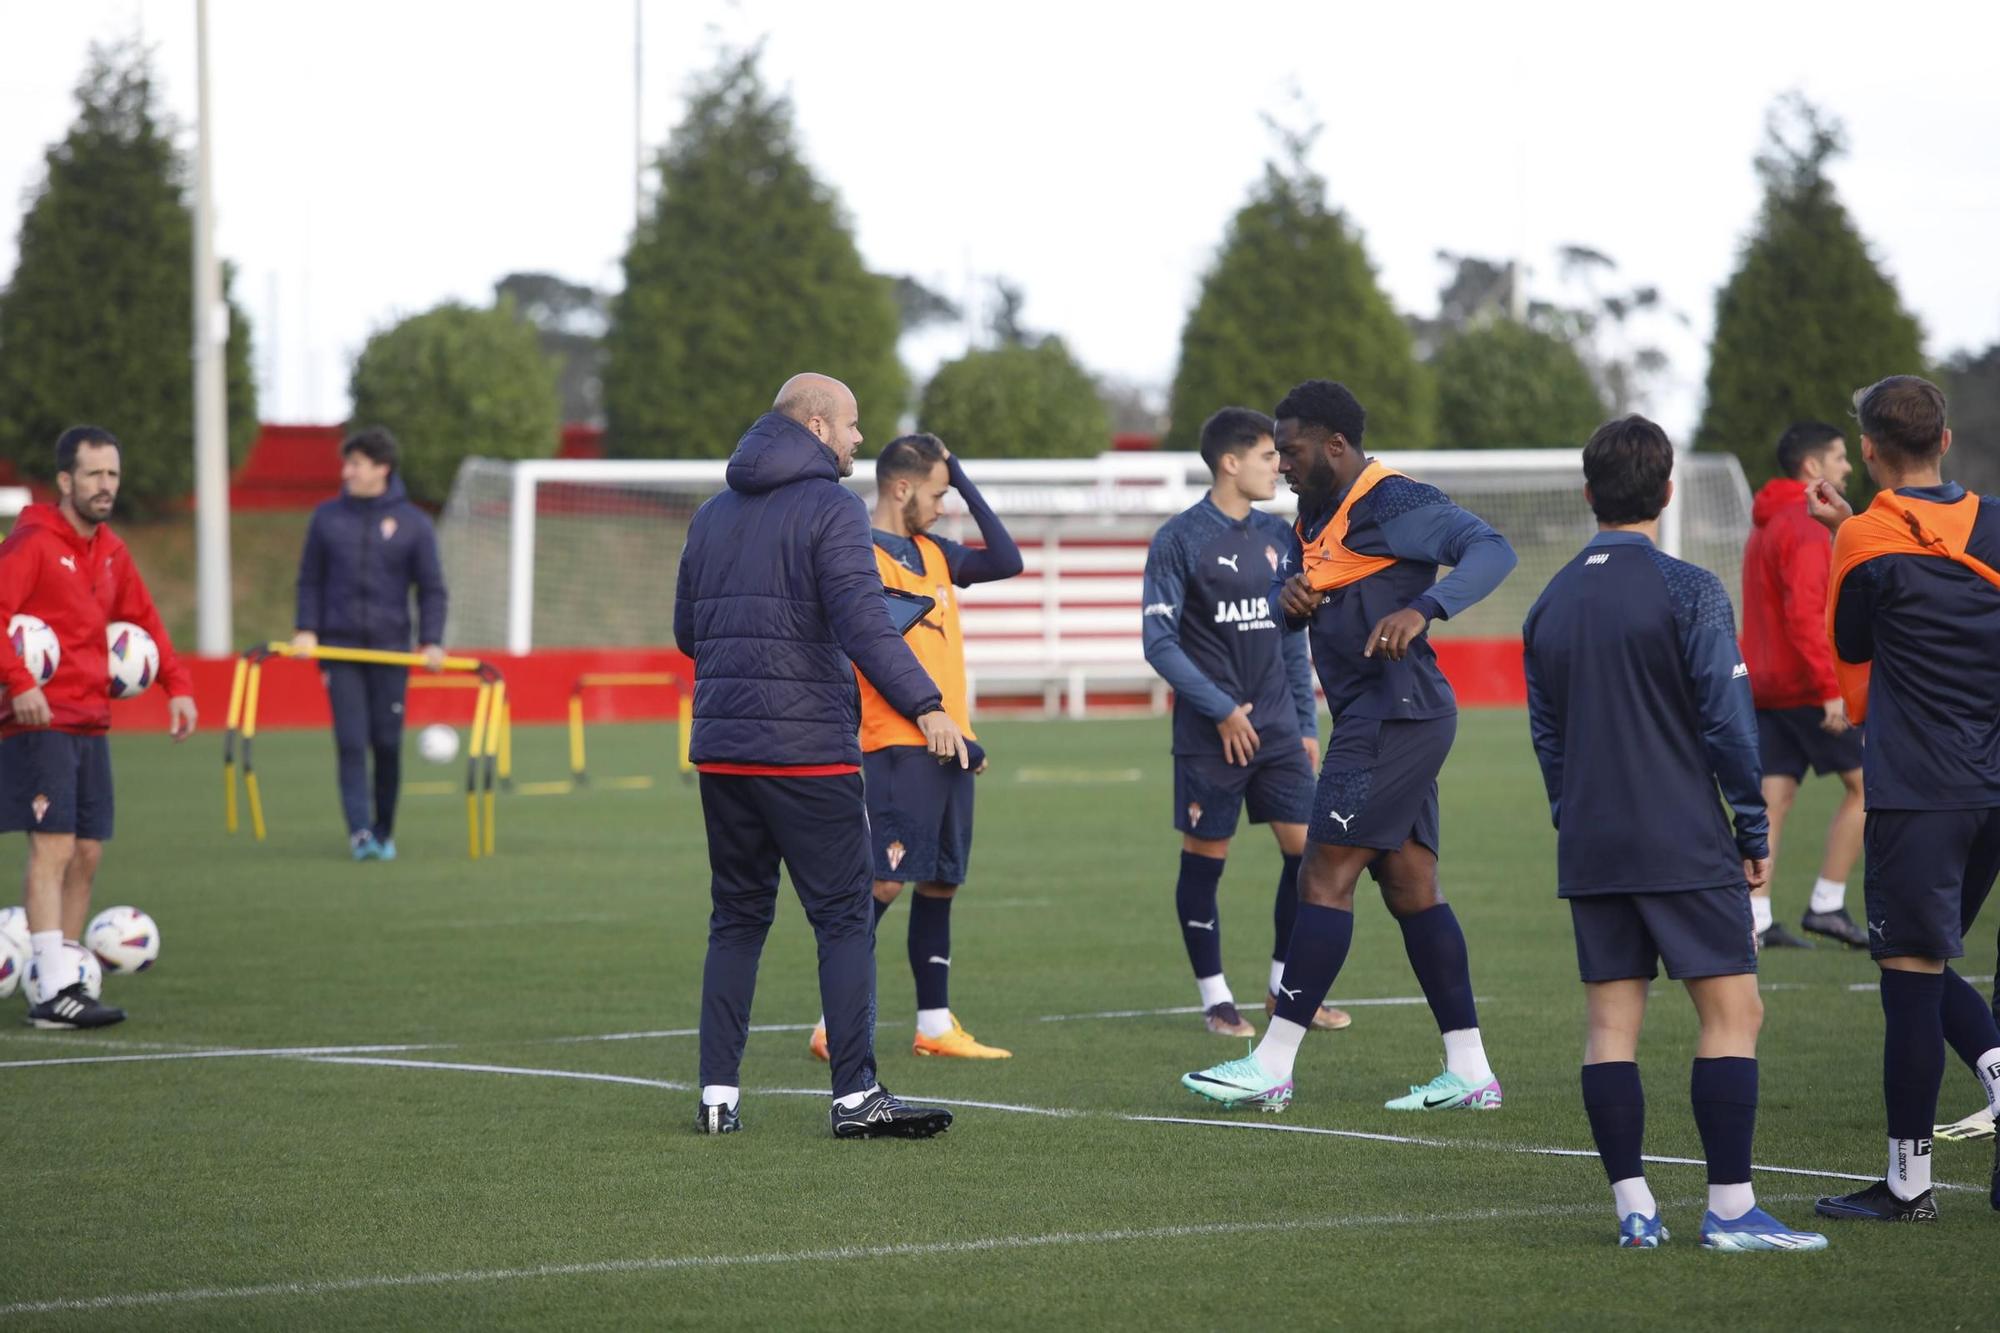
x=563, y=553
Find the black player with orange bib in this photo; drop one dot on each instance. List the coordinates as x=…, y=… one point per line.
x=919, y=811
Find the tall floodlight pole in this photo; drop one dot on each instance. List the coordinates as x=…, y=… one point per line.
x=213, y=633
x=638, y=112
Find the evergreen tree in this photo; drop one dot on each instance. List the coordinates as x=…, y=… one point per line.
x=1291, y=296
x=743, y=274
x=1017, y=400
x=1808, y=316
x=97, y=324
x=455, y=382
x=1502, y=384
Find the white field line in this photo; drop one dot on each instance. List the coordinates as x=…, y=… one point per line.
x=1195, y=1008
x=220, y=1053
x=839, y=1254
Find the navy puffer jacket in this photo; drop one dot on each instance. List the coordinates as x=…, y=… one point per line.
x=778, y=600
x=361, y=559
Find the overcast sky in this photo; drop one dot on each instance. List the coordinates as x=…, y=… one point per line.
x=373, y=158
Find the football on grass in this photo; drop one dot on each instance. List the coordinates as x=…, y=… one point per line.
x=124, y=939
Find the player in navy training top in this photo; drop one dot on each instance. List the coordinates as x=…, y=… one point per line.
x=1639, y=707
x=1369, y=542
x=1915, y=605
x=1245, y=722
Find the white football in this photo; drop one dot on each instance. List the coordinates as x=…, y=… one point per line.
x=35, y=644
x=135, y=659
x=437, y=743
x=13, y=963
x=14, y=925
x=93, y=975
x=124, y=939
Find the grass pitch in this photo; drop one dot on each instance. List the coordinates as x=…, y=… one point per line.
x=527, y=1159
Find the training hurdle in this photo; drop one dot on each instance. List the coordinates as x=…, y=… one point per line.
x=578, y=768
x=487, y=754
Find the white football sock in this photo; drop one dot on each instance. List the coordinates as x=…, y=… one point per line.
x=1214, y=991
x=1760, y=913
x=1277, y=976
x=1279, y=1050
x=1989, y=1074
x=722, y=1093
x=1730, y=1202
x=54, y=966
x=1909, y=1167
x=1465, y=1056
x=1828, y=895
x=933, y=1022
x=1634, y=1195
x=854, y=1099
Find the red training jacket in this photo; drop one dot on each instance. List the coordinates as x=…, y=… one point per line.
x=1785, y=568
x=78, y=586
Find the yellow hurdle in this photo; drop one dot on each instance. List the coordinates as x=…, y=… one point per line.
x=496, y=725
x=472, y=766
x=229, y=743
x=250, y=788
x=579, y=771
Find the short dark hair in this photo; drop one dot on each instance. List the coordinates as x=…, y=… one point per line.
x=1231, y=431
x=75, y=438
x=1801, y=440
x=908, y=456
x=1626, y=465
x=1329, y=406
x=1904, y=415
x=375, y=444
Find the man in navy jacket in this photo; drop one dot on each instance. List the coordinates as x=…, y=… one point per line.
x=364, y=552
x=778, y=600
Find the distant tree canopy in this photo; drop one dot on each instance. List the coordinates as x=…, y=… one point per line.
x=569, y=320
x=1291, y=296
x=1808, y=316
x=96, y=325
x=455, y=382
x=1028, y=397
x=743, y=273
x=1502, y=384
x=1972, y=385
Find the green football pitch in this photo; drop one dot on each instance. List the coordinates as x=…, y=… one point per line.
x=438, y=1093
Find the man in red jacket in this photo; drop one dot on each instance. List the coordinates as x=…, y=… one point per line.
x=1801, y=721
x=62, y=565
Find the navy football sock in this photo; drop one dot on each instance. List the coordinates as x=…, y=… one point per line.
x=1436, y=947
x=1615, y=1101
x=1968, y=1024
x=1320, y=940
x=1912, y=1050
x=930, y=950
x=1724, y=1092
x=1285, y=908
x=1201, y=923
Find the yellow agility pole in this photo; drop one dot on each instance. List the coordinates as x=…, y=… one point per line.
x=376, y=656
x=250, y=788
x=229, y=744
x=507, y=747
x=496, y=713
x=472, y=767
x=579, y=773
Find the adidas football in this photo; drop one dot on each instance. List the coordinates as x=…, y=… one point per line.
x=13, y=962
x=14, y=925
x=93, y=976
x=135, y=659
x=35, y=644
x=437, y=743
x=124, y=939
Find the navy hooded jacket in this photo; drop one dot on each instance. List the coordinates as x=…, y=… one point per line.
x=778, y=600
x=361, y=558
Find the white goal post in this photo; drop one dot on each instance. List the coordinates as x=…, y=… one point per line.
x=552, y=553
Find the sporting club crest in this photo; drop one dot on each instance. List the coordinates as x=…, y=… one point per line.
x=895, y=852
x=1194, y=812
x=388, y=528
x=1271, y=554
x=40, y=805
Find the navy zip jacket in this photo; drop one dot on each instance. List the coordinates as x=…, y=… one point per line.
x=360, y=560
x=1640, y=706
x=778, y=600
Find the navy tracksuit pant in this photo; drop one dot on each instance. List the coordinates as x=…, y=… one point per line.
x=818, y=827
x=368, y=715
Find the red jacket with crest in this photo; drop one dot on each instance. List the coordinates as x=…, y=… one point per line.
x=1785, y=566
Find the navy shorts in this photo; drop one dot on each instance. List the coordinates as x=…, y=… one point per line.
x=1696, y=932
x=1378, y=786
x=1790, y=740
x=919, y=815
x=56, y=782
x=1210, y=792
x=1928, y=872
